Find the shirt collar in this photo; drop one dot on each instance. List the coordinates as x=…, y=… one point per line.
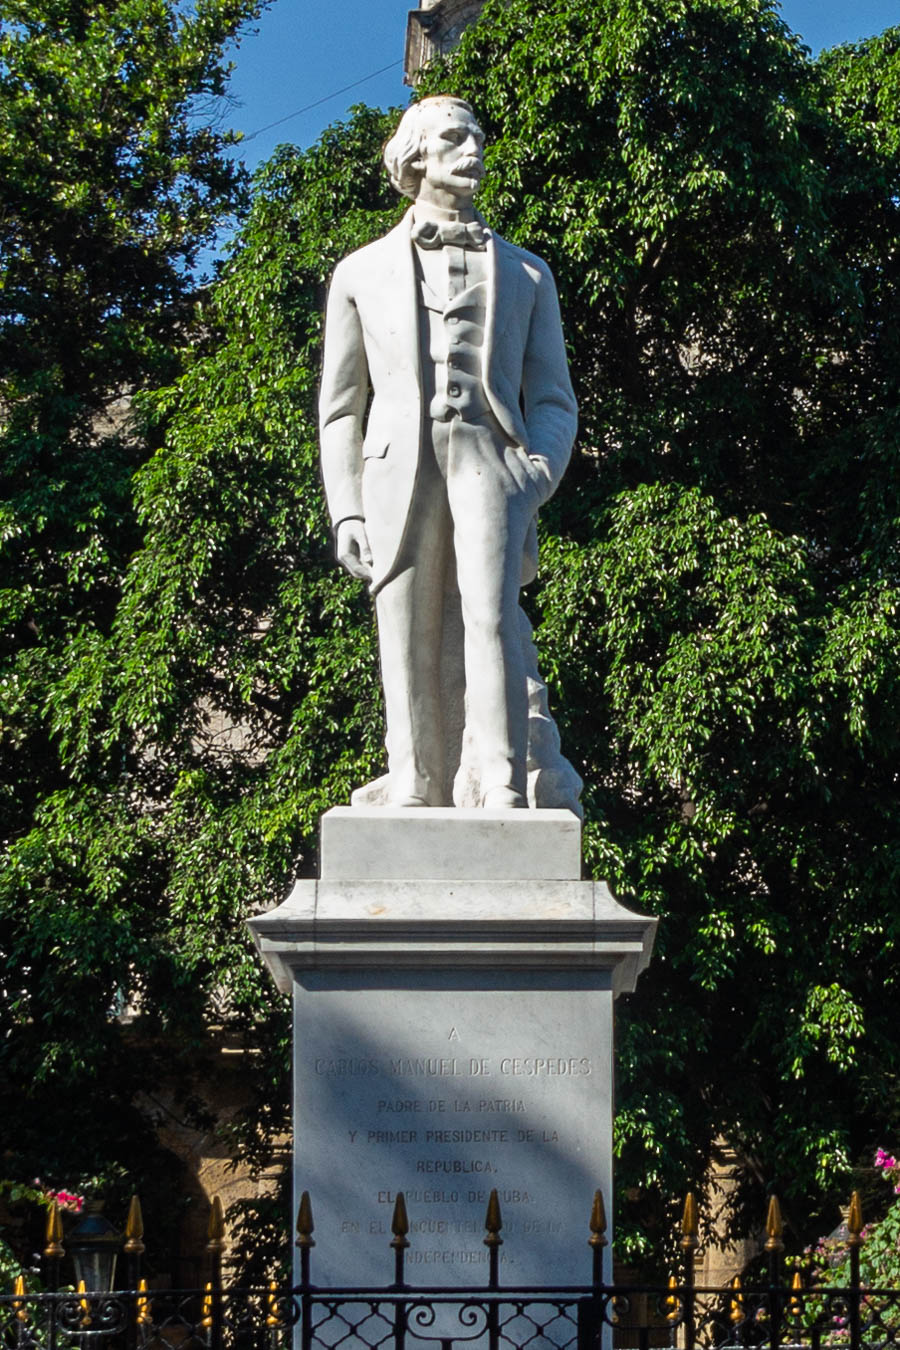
x=423, y=211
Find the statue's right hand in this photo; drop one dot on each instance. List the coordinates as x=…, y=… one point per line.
x=352, y=548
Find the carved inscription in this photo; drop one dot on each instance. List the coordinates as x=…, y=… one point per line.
x=524, y=1066
x=445, y=1140
x=445, y=1095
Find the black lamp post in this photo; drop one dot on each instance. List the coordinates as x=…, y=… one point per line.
x=94, y=1245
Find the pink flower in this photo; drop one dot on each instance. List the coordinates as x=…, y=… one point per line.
x=66, y=1200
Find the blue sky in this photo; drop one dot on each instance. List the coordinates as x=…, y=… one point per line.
x=306, y=50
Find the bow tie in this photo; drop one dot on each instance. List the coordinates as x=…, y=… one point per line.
x=462, y=234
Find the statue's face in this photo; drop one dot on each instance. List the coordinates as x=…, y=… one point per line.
x=452, y=143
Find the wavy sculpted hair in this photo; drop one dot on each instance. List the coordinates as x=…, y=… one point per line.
x=402, y=152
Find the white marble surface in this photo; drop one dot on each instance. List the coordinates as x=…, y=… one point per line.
x=443, y=1085
x=434, y=487
x=459, y=844
x=456, y=925
x=451, y=1035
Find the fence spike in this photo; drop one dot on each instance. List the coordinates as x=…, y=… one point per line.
x=142, y=1314
x=85, y=1306
x=598, y=1236
x=796, y=1305
x=54, y=1232
x=19, y=1292
x=399, y=1222
x=673, y=1302
x=273, y=1317
x=855, y=1221
x=774, y=1226
x=689, y=1223
x=305, y=1225
x=206, y=1316
x=215, y=1229
x=134, y=1228
x=493, y=1222
x=736, y=1312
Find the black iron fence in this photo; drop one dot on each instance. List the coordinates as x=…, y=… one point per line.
x=781, y=1310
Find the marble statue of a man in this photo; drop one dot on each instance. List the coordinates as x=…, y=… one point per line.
x=457, y=334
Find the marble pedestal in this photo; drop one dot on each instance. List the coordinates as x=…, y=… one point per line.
x=453, y=983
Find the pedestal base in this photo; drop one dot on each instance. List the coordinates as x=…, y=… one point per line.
x=453, y=1035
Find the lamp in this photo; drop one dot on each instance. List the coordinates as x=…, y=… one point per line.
x=94, y=1245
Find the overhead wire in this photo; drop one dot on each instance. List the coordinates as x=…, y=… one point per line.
x=316, y=102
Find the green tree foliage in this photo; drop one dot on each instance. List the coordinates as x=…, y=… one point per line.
x=114, y=176
x=717, y=608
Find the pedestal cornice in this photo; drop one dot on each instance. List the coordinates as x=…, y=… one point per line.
x=445, y=924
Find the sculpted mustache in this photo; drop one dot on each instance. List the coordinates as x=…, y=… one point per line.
x=468, y=165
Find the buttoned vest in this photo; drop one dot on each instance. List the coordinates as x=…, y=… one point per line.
x=451, y=338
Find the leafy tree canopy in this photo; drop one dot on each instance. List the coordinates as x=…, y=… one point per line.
x=115, y=174
x=717, y=608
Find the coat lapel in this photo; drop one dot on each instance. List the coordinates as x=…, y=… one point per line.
x=396, y=288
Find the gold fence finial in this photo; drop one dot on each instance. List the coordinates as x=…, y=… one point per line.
x=85, y=1305
x=736, y=1311
x=273, y=1316
x=399, y=1222
x=215, y=1229
x=493, y=1222
x=206, y=1314
x=796, y=1305
x=19, y=1292
x=54, y=1232
x=134, y=1228
x=855, y=1221
x=305, y=1225
x=598, y=1236
x=689, y=1225
x=774, y=1226
x=673, y=1302
x=142, y=1314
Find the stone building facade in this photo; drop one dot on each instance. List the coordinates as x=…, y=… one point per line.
x=435, y=28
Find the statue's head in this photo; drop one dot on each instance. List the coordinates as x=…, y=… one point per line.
x=437, y=149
